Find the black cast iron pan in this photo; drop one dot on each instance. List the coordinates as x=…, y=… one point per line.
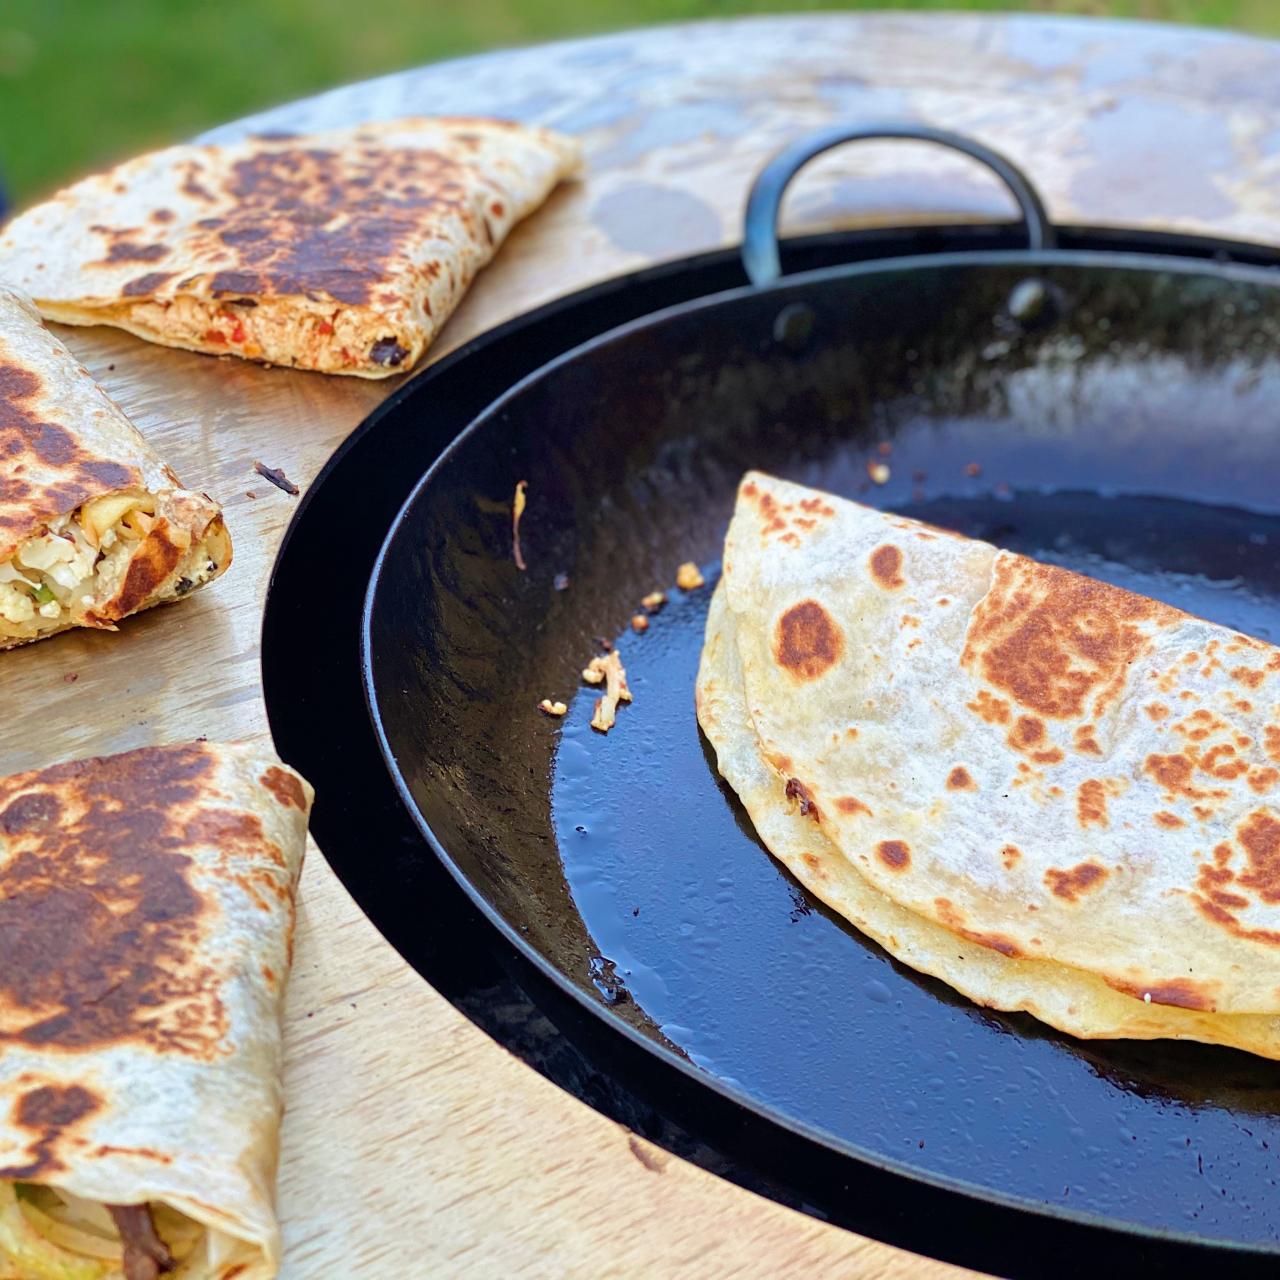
x=1111, y=412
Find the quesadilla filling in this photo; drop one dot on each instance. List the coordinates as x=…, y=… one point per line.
x=284, y=331
x=49, y=1234
x=76, y=569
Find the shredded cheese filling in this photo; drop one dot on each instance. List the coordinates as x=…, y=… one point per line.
x=74, y=562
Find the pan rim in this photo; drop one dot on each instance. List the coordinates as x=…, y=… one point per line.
x=1266, y=276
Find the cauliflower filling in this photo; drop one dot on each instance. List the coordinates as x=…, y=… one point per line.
x=73, y=563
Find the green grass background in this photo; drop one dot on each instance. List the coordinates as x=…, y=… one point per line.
x=84, y=82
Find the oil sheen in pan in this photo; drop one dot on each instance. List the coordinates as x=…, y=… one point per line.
x=760, y=985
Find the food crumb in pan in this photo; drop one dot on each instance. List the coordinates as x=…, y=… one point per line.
x=615, y=691
x=594, y=674
x=561, y=582
x=654, y=601
x=884, y=448
x=639, y=622
x=973, y=468
x=552, y=708
x=277, y=477
x=689, y=577
x=249, y=493
x=878, y=472
x=71, y=677
x=517, y=510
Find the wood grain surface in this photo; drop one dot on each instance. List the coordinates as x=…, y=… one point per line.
x=413, y=1145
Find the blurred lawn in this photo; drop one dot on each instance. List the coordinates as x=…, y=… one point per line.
x=83, y=82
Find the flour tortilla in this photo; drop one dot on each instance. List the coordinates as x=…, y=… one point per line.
x=344, y=251
x=1041, y=764
x=1071, y=1000
x=65, y=446
x=146, y=922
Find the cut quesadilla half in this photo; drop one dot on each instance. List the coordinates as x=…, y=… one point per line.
x=93, y=526
x=146, y=923
x=344, y=251
x=1053, y=794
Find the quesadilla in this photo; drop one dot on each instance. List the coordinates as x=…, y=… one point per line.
x=1050, y=793
x=93, y=526
x=344, y=251
x=146, y=923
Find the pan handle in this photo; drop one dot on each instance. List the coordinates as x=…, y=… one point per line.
x=760, y=232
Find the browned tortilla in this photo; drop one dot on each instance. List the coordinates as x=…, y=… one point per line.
x=343, y=251
x=146, y=920
x=64, y=443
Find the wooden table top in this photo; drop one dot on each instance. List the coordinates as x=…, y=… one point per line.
x=413, y=1144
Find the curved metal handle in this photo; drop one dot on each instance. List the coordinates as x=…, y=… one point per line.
x=760, y=232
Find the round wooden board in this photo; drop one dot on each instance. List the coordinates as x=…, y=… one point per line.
x=413, y=1144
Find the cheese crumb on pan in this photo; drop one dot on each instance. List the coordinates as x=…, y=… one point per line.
x=639, y=622
x=616, y=690
x=689, y=577
x=654, y=601
x=552, y=708
x=517, y=510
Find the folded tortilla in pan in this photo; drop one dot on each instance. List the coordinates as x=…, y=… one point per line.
x=1050, y=793
x=146, y=922
x=344, y=251
x=93, y=527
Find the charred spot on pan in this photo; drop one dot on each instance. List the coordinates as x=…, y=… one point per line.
x=886, y=567
x=1070, y=885
x=807, y=642
x=895, y=854
x=796, y=790
x=959, y=779
x=387, y=351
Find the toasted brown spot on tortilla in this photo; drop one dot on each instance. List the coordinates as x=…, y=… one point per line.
x=1170, y=821
x=1053, y=640
x=851, y=805
x=48, y=1111
x=990, y=708
x=100, y=927
x=886, y=567
x=139, y=286
x=807, y=642
x=1180, y=993
x=1248, y=676
x=1157, y=711
x=1259, y=834
x=285, y=787
x=895, y=854
x=1086, y=743
x=1027, y=732
x=1070, y=885
x=996, y=942
x=1091, y=803
x=125, y=251
x=1261, y=780
x=1009, y=855
x=959, y=779
x=1173, y=773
